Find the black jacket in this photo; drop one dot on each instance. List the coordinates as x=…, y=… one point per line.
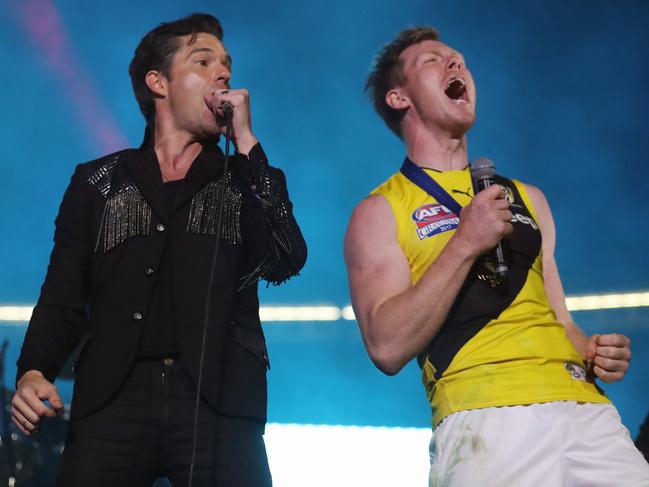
x=109, y=238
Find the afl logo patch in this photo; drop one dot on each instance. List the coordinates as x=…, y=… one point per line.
x=433, y=219
x=509, y=195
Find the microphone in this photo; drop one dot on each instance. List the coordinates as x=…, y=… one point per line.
x=227, y=108
x=482, y=173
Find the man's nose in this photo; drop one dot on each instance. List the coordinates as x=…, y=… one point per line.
x=455, y=63
x=222, y=77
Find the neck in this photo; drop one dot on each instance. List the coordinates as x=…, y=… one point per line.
x=439, y=151
x=175, y=151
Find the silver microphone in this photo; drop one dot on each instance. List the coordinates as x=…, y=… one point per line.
x=483, y=172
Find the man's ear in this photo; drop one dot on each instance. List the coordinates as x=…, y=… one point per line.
x=395, y=98
x=156, y=82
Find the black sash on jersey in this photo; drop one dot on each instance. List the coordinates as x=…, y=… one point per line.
x=419, y=177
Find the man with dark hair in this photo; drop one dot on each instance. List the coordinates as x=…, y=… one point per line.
x=135, y=236
x=507, y=372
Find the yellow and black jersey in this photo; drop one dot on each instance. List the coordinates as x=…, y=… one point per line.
x=501, y=344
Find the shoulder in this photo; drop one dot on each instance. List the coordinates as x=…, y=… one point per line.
x=538, y=199
x=372, y=223
x=391, y=188
x=99, y=173
x=532, y=196
x=374, y=217
x=543, y=216
x=103, y=163
x=374, y=208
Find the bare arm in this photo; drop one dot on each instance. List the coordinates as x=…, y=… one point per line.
x=397, y=319
x=608, y=354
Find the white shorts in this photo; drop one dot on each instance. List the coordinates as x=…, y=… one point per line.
x=555, y=444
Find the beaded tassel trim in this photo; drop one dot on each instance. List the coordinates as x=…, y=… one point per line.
x=126, y=214
x=278, y=209
x=203, y=213
x=101, y=178
x=257, y=273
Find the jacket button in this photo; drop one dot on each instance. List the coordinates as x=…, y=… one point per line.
x=160, y=227
x=137, y=316
x=149, y=271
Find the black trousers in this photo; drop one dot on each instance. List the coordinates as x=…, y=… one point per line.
x=145, y=432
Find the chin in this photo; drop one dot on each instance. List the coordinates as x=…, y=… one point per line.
x=211, y=129
x=460, y=126
x=210, y=137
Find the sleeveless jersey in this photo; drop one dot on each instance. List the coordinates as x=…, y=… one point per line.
x=501, y=344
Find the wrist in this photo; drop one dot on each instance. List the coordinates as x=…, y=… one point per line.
x=461, y=249
x=245, y=142
x=30, y=374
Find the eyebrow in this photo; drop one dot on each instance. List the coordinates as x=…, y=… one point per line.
x=439, y=53
x=199, y=49
x=228, y=58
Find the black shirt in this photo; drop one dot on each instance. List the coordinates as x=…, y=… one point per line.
x=159, y=335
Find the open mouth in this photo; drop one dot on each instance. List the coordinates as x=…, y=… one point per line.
x=456, y=90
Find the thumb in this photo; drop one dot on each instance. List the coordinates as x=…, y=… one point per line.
x=591, y=348
x=51, y=394
x=55, y=400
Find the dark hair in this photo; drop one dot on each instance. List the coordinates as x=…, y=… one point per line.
x=387, y=72
x=156, y=51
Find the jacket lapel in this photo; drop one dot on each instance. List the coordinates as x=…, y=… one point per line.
x=205, y=168
x=145, y=171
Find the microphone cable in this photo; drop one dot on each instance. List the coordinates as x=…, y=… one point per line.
x=227, y=111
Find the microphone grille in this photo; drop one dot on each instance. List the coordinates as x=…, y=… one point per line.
x=482, y=168
x=227, y=107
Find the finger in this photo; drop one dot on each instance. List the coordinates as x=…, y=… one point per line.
x=493, y=192
x=611, y=365
x=35, y=403
x=607, y=376
x=217, y=99
x=613, y=340
x=18, y=424
x=500, y=204
x=31, y=427
x=236, y=97
x=614, y=353
x=591, y=348
x=24, y=410
x=505, y=215
x=502, y=195
x=234, y=92
x=23, y=423
x=55, y=400
x=222, y=96
x=508, y=228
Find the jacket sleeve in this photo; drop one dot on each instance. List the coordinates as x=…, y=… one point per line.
x=274, y=243
x=59, y=317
